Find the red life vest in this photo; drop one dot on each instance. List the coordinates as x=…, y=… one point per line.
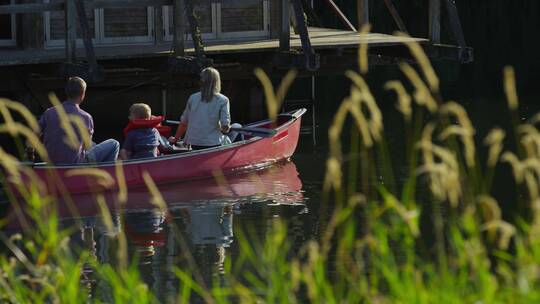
x=152, y=122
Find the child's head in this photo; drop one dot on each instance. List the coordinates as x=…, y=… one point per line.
x=139, y=111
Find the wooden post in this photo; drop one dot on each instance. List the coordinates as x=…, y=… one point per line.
x=456, y=29
x=285, y=32
x=435, y=21
x=195, y=32
x=312, y=61
x=179, y=27
x=94, y=70
x=363, y=12
x=30, y=33
x=158, y=25
x=455, y=23
x=71, y=30
x=308, y=6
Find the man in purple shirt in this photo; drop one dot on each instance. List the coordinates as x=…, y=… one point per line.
x=55, y=138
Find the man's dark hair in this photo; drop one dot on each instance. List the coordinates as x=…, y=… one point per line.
x=75, y=87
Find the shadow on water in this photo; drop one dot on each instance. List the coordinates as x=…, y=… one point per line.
x=200, y=221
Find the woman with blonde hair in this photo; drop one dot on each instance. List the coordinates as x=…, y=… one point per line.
x=207, y=114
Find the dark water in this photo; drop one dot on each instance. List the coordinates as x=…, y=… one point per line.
x=202, y=221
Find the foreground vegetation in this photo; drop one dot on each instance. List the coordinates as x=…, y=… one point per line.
x=384, y=243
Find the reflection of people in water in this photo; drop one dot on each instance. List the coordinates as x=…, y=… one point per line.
x=210, y=225
x=209, y=228
x=147, y=237
x=94, y=237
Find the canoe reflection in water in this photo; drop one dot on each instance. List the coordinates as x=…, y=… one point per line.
x=194, y=234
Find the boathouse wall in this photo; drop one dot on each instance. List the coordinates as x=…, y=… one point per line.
x=218, y=20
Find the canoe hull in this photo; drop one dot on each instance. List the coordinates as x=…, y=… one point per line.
x=249, y=154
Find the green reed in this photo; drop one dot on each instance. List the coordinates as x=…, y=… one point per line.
x=440, y=237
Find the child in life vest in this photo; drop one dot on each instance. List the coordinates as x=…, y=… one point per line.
x=142, y=134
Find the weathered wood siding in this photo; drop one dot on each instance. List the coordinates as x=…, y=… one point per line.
x=125, y=22
x=57, y=24
x=274, y=15
x=224, y=19
x=242, y=15
x=203, y=11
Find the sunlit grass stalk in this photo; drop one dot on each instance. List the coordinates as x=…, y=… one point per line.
x=353, y=163
x=386, y=165
x=494, y=140
x=510, y=90
x=412, y=133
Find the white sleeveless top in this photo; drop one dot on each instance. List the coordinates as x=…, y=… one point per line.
x=204, y=120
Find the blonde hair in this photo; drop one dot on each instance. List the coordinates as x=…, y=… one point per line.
x=210, y=84
x=140, y=111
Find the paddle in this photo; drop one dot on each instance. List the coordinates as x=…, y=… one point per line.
x=262, y=132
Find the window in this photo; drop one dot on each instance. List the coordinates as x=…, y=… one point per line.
x=7, y=26
x=226, y=19
x=242, y=18
x=107, y=26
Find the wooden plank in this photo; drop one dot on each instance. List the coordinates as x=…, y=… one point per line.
x=340, y=15
x=285, y=32
x=30, y=8
x=125, y=22
x=127, y=3
x=435, y=21
x=329, y=39
x=395, y=15
x=362, y=10
x=179, y=27
x=71, y=30
x=44, y=7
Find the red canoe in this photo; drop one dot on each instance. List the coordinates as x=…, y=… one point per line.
x=253, y=152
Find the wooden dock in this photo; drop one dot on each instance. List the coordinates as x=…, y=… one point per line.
x=321, y=39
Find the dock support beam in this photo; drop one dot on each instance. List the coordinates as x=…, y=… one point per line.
x=312, y=60
x=456, y=29
x=95, y=72
x=285, y=32
x=362, y=12
x=395, y=15
x=435, y=21
x=158, y=25
x=179, y=28
x=341, y=15
x=195, y=33
x=71, y=30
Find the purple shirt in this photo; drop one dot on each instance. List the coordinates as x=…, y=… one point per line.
x=142, y=143
x=54, y=136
